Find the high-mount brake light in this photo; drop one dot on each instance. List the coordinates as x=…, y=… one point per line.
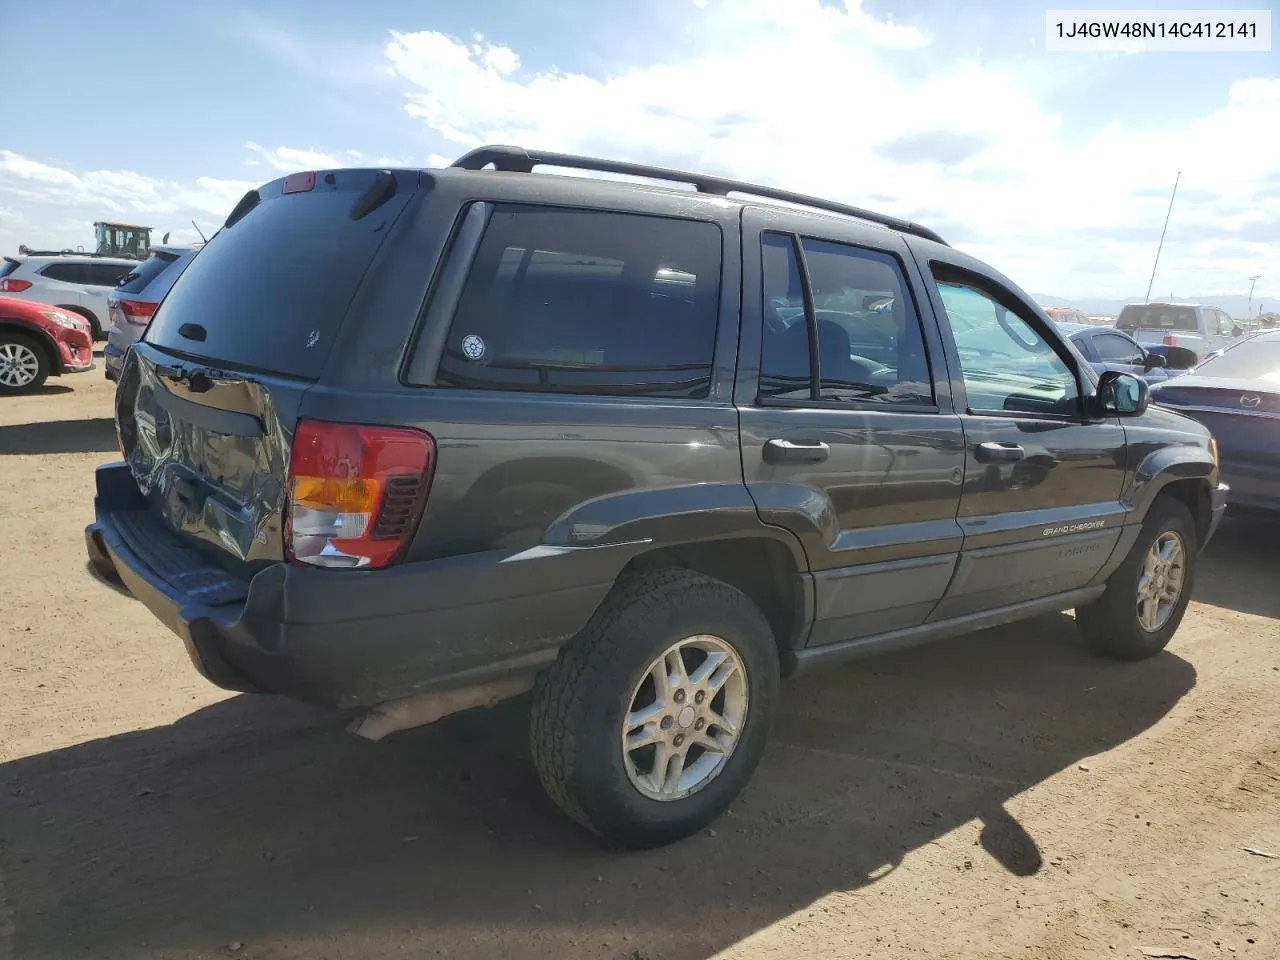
x=356, y=493
x=300, y=182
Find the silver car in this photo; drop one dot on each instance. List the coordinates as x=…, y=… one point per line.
x=132, y=303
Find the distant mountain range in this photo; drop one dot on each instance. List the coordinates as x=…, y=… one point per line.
x=1236, y=306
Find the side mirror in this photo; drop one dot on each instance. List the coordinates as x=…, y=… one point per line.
x=1153, y=361
x=1123, y=394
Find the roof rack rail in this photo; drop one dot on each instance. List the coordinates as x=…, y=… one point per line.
x=520, y=160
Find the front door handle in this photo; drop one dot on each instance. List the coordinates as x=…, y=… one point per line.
x=999, y=453
x=793, y=451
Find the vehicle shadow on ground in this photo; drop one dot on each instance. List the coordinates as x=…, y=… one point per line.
x=94, y=435
x=259, y=822
x=1240, y=569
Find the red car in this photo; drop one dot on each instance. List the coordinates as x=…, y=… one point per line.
x=37, y=340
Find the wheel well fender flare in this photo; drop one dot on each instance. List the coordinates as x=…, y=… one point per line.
x=38, y=336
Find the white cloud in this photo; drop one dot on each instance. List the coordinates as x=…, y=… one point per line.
x=52, y=207
x=820, y=99
x=293, y=159
x=48, y=206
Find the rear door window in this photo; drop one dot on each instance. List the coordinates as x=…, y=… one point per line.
x=588, y=302
x=66, y=272
x=870, y=344
x=271, y=289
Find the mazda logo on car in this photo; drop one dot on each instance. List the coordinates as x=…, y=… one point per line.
x=1250, y=400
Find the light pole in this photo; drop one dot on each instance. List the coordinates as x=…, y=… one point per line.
x=1252, y=280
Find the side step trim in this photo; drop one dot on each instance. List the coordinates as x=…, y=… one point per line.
x=926, y=633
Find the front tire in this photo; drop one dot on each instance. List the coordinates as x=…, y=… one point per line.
x=1148, y=594
x=24, y=365
x=653, y=718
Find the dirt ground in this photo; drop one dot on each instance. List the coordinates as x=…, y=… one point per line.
x=1002, y=795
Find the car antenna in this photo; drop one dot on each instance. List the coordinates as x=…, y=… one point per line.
x=199, y=231
x=1167, y=215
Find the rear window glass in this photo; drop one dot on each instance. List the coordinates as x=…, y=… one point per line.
x=136, y=280
x=8, y=265
x=1251, y=360
x=1153, y=316
x=584, y=301
x=271, y=290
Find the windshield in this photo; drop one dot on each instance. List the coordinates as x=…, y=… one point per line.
x=8, y=265
x=1252, y=360
x=1155, y=316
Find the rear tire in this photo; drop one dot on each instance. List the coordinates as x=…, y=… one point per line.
x=717, y=653
x=24, y=364
x=1148, y=594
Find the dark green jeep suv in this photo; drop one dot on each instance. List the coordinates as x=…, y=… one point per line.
x=409, y=442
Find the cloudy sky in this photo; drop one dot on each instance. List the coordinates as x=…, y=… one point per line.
x=1054, y=167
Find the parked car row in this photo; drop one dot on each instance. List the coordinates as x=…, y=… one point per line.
x=78, y=284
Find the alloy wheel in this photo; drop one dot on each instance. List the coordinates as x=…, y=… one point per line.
x=684, y=718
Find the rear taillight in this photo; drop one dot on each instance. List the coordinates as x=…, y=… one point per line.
x=356, y=493
x=137, y=312
x=14, y=286
x=1170, y=340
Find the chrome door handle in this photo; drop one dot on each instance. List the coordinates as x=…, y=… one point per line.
x=999, y=453
x=779, y=450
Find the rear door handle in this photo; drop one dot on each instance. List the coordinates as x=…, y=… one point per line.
x=999, y=453
x=792, y=451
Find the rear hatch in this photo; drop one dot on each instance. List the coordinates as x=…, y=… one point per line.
x=209, y=398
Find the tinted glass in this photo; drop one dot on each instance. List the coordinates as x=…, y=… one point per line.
x=870, y=346
x=784, y=353
x=1007, y=365
x=272, y=289
x=8, y=265
x=65, y=272
x=104, y=274
x=1154, y=316
x=136, y=280
x=583, y=301
x=1256, y=359
x=1113, y=348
